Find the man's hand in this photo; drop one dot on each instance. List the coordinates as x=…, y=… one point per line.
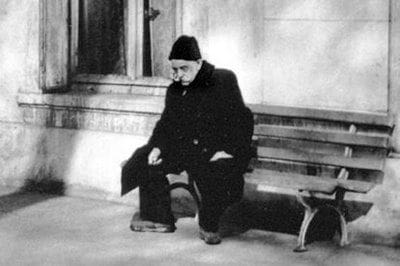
x=154, y=156
x=220, y=155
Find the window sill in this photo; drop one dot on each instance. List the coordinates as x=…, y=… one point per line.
x=120, y=84
x=90, y=101
x=122, y=80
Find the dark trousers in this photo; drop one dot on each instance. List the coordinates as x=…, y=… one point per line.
x=220, y=184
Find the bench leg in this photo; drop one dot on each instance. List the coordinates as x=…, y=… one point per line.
x=309, y=214
x=343, y=230
x=343, y=227
x=189, y=188
x=195, y=193
x=189, y=185
x=197, y=198
x=311, y=211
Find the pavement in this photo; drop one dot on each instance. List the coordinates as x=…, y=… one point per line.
x=44, y=229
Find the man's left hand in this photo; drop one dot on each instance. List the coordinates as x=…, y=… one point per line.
x=220, y=155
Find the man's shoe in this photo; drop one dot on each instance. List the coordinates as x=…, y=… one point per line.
x=140, y=225
x=211, y=238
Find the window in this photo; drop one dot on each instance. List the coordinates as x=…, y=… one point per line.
x=122, y=41
x=101, y=37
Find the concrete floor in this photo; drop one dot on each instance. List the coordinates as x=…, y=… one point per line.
x=37, y=229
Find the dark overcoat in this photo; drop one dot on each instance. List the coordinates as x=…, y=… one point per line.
x=198, y=120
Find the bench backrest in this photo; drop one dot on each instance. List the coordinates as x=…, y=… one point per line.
x=312, y=146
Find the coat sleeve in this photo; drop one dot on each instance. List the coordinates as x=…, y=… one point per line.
x=159, y=137
x=237, y=123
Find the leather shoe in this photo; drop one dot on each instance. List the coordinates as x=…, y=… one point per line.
x=140, y=225
x=211, y=238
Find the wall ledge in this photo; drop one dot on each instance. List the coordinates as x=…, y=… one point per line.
x=118, y=113
x=108, y=111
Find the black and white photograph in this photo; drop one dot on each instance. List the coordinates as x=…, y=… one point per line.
x=200, y=132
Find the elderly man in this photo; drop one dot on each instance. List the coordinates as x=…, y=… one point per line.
x=205, y=130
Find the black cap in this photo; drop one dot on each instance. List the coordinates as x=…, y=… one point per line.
x=186, y=48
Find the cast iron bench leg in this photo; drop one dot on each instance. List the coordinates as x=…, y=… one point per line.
x=343, y=225
x=309, y=214
x=343, y=230
x=190, y=186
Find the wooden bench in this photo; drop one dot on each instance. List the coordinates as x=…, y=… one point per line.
x=317, y=153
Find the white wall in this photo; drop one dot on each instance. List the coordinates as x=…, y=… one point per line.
x=19, y=53
x=314, y=53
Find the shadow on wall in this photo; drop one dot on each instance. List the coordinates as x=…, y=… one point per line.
x=53, y=152
x=37, y=156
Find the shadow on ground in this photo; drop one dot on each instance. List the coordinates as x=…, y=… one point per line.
x=32, y=192
x=276, y=212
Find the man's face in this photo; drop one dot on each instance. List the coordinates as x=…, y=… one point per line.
x=184, y=71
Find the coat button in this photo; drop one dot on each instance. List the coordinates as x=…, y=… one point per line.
x=195, y=141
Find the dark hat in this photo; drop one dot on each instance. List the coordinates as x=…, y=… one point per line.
x=186, y=48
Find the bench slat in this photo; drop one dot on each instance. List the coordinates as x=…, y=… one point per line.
x=304, y=168
x=317, y=158
x=372, y=118
x=305, y=182
x=321, y=136
x=290, y=180
x=355, y=185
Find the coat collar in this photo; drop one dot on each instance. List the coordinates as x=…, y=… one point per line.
x=203, y=77
x=202, y=80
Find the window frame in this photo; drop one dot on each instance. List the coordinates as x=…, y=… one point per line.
x=133, y=16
